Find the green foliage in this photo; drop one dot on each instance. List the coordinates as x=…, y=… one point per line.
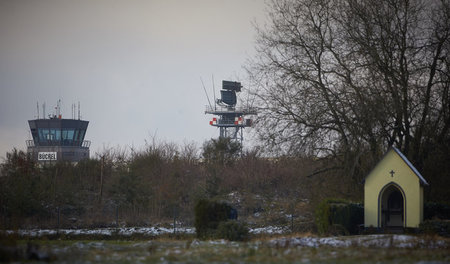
x=338, y=217
x=221, y=151
x=20, y=192
x=322, y=215
x=208, y=216
x=129, y=190
x=435, y=227
x=232, y=230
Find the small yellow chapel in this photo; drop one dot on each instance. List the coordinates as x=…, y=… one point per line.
x=393, y=193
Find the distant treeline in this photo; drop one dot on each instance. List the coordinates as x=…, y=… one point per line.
x=162, y=182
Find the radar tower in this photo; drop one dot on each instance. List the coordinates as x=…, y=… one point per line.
x=229, y=118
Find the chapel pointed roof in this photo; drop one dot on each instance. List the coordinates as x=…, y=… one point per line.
x=410, y=165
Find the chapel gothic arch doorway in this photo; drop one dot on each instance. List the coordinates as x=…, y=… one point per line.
x=392, y=206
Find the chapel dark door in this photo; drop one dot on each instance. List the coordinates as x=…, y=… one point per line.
x=392, y=207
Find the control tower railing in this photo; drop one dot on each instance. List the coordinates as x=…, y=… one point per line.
x=73, y=143
x=226, y=109
x=30, y=143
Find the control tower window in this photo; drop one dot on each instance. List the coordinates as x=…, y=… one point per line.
x=76, y=135
x=34, y=134
x=70, y=133
x=81, y=136
x=67, y=134
x=46, y=135
x=43, y=134
x=58, y=134
x=52, y=135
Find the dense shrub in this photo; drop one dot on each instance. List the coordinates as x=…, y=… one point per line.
x=208, y=215
x=338, y=217
x=322, y=215
x=232, y=230
x=436, y=227
x=436, y=210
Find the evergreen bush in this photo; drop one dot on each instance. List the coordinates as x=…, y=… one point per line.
x=322, y=215
x=208, y=216
x=339, y=213
x=435, y=227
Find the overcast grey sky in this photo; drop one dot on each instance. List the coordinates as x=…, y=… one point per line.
x=135, y=66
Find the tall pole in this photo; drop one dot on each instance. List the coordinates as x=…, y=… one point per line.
x=101, y=177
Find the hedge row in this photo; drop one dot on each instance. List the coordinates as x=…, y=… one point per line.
x=434, y=210
x=339, y=217
x=435, y=227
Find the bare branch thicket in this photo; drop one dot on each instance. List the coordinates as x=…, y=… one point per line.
x=349, y=78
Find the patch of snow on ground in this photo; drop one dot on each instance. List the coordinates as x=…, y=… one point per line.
x=218, y=242
x=310, y=242
x=267, y=230
x=125, y=231
x=235, y=196
x=380, y=241
x=129, y=231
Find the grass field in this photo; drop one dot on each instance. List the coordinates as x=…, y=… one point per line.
x=383, y=249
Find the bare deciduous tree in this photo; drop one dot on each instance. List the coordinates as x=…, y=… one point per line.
x=349, y=78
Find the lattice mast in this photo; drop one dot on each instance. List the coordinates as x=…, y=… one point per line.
x=230, y=119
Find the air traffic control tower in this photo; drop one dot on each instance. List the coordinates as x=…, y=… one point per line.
x=231, y=119
x=57, y=139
